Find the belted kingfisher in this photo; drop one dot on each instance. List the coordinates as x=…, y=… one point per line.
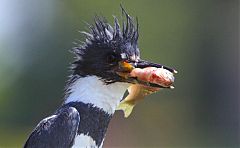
x=95, y=87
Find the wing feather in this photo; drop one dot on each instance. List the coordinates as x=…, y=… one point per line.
x=56, y=131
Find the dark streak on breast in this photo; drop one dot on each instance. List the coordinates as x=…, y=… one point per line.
x=93, y=120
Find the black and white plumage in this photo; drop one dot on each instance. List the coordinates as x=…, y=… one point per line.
x=49, y=132
x=95, y=87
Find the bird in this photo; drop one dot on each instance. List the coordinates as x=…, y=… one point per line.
x=95, y=87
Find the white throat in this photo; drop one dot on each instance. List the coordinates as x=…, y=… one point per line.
x=92, y=90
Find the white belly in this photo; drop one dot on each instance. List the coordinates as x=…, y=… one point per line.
x=84, y=141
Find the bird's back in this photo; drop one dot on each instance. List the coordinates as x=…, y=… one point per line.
x=56, y=131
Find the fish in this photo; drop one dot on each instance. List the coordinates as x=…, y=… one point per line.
x=160, y=76
x=137, y=92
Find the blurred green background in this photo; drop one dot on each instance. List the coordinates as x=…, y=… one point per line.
x=199, y=38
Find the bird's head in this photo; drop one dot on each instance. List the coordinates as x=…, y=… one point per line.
x=110, y=53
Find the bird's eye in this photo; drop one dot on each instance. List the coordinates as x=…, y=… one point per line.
x=111, y=58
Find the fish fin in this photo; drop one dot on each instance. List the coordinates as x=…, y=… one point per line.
x=126, y=107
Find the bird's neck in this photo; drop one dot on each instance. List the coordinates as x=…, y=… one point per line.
x=96, y=103
x=92, y=90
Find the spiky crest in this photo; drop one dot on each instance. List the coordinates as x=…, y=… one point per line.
x=101, y=33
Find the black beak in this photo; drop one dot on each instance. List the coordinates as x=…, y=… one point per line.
x=144, y=64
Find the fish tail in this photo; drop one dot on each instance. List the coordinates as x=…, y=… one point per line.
x=126, y=107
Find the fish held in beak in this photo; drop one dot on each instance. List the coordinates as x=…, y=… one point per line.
x=136, y=92
x=149, y=75
x=152, y=75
